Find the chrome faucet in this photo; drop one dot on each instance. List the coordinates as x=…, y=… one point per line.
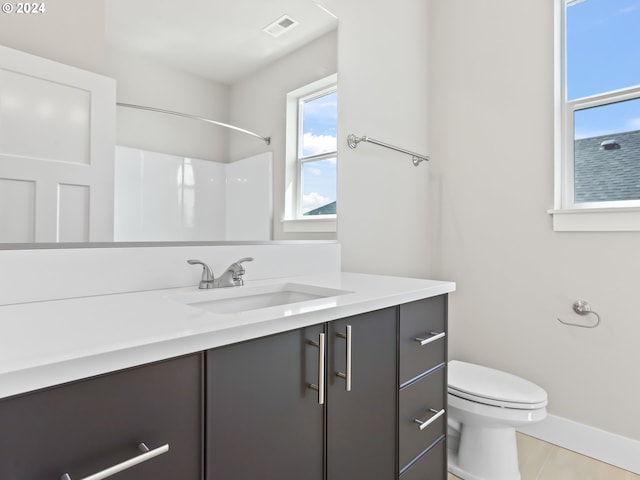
x=232, y=276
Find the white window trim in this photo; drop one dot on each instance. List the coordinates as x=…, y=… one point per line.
x=592, y=216
x=320, y=224
x=293, y=221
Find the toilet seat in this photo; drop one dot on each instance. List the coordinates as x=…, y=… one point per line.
x=493, y=387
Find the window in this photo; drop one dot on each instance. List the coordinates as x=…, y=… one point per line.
x=312, y=113
x=598, y=117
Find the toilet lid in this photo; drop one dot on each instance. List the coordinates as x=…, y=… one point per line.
x=493, y=387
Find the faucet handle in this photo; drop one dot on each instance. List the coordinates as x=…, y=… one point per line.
x=237, y=270
x=207, y=275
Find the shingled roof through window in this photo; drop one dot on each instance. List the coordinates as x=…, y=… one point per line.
x=607, y=168
x=328, y=209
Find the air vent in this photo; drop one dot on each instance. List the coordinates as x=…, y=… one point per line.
x=609, y=145
x=280, y=26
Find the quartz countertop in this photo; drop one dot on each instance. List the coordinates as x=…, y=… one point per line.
x=53, y=342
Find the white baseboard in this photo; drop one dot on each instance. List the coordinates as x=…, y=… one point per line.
x=604, y=446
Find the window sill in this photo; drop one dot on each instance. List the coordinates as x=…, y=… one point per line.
x=310, y=225
x=596, y=220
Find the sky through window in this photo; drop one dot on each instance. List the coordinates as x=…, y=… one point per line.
x=319, y=136
x=603, y=54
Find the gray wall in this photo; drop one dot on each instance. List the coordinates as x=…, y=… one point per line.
x=382, y=198
x=492, y=184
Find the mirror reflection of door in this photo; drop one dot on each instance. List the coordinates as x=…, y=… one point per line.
x=56, y=177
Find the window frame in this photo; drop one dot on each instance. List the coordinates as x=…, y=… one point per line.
x=583, y=216
x=294, y=220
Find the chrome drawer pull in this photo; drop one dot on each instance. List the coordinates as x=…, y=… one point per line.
x=422, y=425
x=321, y=358
x=146, y=455
x=434, y=336
x=346, y=376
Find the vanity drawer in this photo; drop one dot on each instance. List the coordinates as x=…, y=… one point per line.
x=431, y=466
x=85, y=427
x=423, y=400
x=424, y=319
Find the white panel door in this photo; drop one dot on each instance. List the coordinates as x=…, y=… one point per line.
x=57, y=132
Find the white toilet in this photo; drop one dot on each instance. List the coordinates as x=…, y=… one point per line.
x=485, y=408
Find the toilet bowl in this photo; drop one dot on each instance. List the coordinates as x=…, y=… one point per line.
x=485, y=408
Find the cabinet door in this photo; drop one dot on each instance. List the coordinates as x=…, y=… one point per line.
x=361, y=423
x=85, y=427
x=263, y=421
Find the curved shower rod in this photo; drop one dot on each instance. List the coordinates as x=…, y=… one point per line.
x=266, y=140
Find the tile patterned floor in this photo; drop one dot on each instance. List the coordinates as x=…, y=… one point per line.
x=542, y=461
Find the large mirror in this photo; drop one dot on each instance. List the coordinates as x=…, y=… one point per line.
x=229, y=61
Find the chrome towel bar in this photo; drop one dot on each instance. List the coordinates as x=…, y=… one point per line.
x=353, y=142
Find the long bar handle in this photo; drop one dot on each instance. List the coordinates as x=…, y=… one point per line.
x=321, y=373
x=145, y=456
x=432, y=338
x=424, y=424
x=346, y=376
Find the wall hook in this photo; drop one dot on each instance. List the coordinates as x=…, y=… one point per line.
x=582, y=307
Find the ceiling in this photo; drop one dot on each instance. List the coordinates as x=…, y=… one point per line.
x=222, y=40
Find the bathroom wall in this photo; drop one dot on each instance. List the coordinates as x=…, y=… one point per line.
x=144, y=82
x=491, y=131
x=383, y=77
x=258, y=103
x=70, y=31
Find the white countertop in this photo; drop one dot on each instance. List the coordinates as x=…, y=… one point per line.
x=48, y=343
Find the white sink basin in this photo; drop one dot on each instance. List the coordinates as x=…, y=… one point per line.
x=241, y=299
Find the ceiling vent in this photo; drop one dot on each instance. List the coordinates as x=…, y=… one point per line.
x=280, y=26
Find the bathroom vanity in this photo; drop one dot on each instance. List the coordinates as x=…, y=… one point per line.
x=348, y=385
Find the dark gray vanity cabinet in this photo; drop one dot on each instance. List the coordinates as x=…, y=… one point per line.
x=85, y=427
x=423, y=389
x=342, y=400
x=265, y=421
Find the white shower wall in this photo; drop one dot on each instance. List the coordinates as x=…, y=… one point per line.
x=249, y=198
x=161, y=197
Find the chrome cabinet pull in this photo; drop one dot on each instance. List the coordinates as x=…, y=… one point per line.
x=107, y=472
x=432, y=338
x=321, y=358
x=346, y=376
x=422, y=424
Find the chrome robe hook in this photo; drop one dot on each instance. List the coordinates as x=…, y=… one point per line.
x=582, y=307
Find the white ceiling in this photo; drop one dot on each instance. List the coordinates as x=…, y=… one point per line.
x=218, y=39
